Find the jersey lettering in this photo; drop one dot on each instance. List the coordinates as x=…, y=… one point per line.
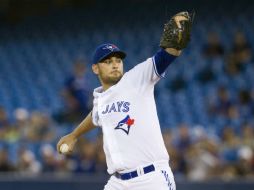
x=106, y=110
x=126, y=106
x=113, y=108
x=119, y=106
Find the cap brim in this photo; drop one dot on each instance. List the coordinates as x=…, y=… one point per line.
x=120, y=53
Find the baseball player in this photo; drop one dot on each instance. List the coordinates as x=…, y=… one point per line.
x=124, y=107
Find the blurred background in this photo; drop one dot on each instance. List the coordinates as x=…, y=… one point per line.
x=205, y=103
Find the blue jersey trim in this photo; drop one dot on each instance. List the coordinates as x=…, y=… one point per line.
x=161, y=61
x=155, y=70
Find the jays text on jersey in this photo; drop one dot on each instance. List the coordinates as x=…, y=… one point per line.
x=128, y=117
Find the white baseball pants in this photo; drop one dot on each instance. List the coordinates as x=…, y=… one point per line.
x=160, y=179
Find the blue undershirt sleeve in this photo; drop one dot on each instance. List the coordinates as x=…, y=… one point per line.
x=161, y=61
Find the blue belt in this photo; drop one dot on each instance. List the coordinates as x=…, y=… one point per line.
x=127, y=176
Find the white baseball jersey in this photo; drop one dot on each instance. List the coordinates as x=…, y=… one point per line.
x=128, y=117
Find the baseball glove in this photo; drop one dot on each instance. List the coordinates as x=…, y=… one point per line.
x=177, y=31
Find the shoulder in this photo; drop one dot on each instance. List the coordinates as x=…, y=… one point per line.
x=97, y=91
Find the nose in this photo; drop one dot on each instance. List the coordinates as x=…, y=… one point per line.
x=115, y=64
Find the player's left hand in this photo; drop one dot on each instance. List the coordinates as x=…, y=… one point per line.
x=177, y=31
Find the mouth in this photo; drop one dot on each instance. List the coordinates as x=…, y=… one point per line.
x=115, y=72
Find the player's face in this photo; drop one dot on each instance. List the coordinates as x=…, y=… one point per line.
x=110, y=70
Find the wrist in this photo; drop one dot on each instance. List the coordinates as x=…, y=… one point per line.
x=74, y=134
x=173, y=51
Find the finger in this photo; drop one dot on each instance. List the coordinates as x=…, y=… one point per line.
x=58, y=145
x=178, y=19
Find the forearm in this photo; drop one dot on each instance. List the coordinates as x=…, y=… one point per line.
x=85, y=126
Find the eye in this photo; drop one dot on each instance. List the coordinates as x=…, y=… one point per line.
x=118, y=60
x=107, y=61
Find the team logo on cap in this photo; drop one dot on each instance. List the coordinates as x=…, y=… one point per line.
x=110, y=47
x=125, y=124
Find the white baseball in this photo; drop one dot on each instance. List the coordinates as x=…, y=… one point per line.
x=64, y=148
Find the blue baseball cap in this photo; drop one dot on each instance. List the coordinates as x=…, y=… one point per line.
x=105, y=50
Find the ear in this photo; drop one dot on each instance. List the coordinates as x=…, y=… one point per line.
x=95, y=69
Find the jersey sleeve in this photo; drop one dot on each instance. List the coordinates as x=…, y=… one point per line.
x=146, y=74
x=95, y=118
x=161, y=61
x=94, y=114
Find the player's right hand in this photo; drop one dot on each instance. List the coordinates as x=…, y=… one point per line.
x=70, y=140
